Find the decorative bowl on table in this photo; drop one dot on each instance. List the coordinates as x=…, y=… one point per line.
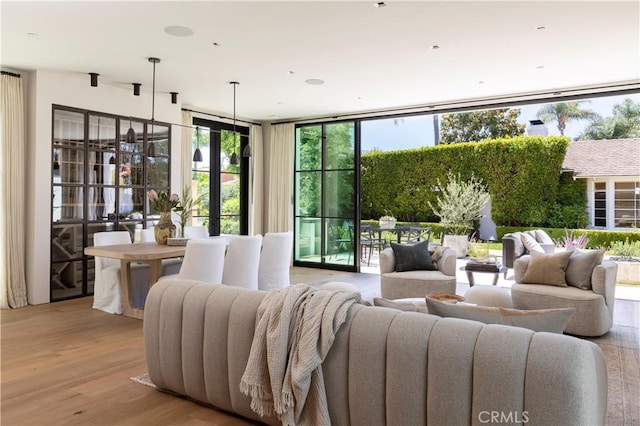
x=445, y=297
x=177, y=241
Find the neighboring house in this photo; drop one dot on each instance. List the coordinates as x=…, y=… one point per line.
x=612, y=171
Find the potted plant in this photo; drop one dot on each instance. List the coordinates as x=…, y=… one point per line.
x=388, y=221
x=185, y=209
x=458, y=205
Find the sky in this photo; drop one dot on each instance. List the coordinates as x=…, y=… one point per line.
x=415, y=132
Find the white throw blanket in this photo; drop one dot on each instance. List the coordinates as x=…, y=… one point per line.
x=295, y=328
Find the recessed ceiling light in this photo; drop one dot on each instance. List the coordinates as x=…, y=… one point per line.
x=540, y=27
x=279, y=103
x=435, y=47
x=480, y=81
x=540, y=67
x=380, y=4
x=215, y=44
x=359, y=98
x=314, y=81
x=178, y=31
x=32, y=34
x=291, y=72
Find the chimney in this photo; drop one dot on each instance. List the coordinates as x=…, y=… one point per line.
x=537, y=128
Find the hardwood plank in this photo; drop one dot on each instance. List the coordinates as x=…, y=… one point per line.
x=66, y=363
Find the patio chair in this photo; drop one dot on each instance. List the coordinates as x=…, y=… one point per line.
x=368, y=241
x=415, y=234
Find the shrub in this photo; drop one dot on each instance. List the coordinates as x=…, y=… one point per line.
x=570, y=241
x=625, y=248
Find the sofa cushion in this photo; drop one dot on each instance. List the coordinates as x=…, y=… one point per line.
x=549, y=320
x=580, y=268
x=413, y=257
x=548, y=269
x=542, y=237
x=530, y=243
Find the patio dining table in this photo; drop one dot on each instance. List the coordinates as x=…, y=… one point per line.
x=398, y=230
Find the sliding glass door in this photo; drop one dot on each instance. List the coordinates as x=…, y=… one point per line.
x=326, y=202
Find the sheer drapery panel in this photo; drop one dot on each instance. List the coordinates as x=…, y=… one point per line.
x=13, y=287
x=280, y=183
x=256, y=181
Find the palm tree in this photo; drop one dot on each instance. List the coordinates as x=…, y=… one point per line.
x=564, y=112
x=625, y=123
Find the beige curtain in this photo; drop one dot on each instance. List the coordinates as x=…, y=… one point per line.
x=281, y=149
x=256, y=181
x=185, y=151
x=13, y=286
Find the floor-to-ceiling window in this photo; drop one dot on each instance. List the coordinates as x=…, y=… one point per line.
x=326, y=182
x=221, y=178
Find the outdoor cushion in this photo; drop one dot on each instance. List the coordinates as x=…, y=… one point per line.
x=530, y=243
x=413, y=257
x=549, y=320
x=518, y=249
x=542, y=237
x=580, y=268
x=548, y=269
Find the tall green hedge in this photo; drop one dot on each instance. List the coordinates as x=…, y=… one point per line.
x=522, y=175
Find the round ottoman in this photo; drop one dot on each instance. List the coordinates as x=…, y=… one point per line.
x=497, y=297
x=337, y=285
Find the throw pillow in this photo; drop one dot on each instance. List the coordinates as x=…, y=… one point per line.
x=437, y=253
x=547, y=269
x=580, y=268
x=530, y=243
x=549, y=320
x=413, y=257
x=542, y=237
x=417, y=306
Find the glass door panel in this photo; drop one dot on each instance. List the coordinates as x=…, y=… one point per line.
x=325, y=196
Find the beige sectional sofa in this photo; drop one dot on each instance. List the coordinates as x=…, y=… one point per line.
x=385, y=366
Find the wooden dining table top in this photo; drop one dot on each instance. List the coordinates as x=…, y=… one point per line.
x=137, y=251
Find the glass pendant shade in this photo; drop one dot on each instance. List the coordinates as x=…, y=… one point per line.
x=131, y=134
x=112, y=160
x=197, y=155
x=151, y=151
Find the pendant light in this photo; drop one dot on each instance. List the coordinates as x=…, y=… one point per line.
x=131, y=134
x=234, y=157
x=151, y=150
x=197, y=155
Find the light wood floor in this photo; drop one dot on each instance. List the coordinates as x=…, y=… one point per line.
x=65, y=363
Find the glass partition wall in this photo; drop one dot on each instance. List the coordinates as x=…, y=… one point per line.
x=326, y=212
x=99, y=183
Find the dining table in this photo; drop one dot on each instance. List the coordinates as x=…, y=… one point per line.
x=398, y=230
x=150, y=253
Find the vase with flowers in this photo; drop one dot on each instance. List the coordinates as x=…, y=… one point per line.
x=163, y=203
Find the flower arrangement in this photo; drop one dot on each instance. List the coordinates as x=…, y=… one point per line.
x=387, y=221
x=162, y=202
x=185, y=208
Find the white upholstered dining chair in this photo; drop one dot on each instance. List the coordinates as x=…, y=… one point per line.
x=203, y=261
x=242, y=260
x=275, y=259
x=169, y=266
x=196, y=231
x=107, y=295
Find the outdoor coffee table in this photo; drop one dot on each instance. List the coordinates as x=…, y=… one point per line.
x=485, y=268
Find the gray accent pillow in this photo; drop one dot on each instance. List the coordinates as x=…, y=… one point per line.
x=548, y=269
x=549, y=320
x=580, y=268
x=542, y=237
x=518, y=247
x=530, y=243
x=403, y=306
x=413, y=257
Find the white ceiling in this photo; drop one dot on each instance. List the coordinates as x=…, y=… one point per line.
x=370, y=58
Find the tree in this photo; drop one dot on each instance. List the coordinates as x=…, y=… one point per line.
x=625, y=123
x=564, y=112
x=479, y=125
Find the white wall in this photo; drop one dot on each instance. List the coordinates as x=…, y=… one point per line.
x=45, y=88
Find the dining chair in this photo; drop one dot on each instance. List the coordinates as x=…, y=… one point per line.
x=107, y=295
x=415, y=234
x=242, y=261
x=196, y=231
x=275, y=259
x=368, y=241
x=169, y=266
x=203, y=261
